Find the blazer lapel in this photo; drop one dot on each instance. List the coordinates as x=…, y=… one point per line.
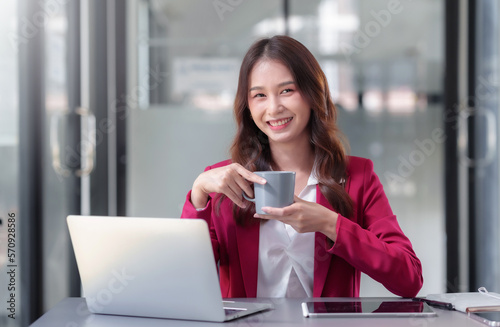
x=248, y=250
x=321, y=257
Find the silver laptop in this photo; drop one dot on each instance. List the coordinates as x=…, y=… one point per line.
x=151, y=267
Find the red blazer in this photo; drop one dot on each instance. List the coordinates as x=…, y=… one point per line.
x=370, y=242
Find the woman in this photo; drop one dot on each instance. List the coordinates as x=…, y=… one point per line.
x=340, y=224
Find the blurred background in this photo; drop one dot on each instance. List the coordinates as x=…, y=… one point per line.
x=114, y=107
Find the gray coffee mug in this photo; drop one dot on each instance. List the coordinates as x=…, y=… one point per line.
x=278, y=192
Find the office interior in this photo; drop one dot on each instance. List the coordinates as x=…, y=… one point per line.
x=114, y=107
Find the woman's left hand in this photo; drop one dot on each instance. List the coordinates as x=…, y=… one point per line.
x=305, y=217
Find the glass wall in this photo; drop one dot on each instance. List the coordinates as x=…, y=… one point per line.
x=184, y=59
x=9, y=163
x=384, y=63
x=385, y=69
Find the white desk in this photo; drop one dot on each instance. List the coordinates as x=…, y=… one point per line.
x=72, y=312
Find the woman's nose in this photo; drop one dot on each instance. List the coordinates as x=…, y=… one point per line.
x=275, y=105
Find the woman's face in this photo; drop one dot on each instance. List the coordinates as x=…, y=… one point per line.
x=276, y=104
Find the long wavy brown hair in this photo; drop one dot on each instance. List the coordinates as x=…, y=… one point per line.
x=250, y=146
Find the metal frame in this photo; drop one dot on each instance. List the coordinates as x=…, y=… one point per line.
x=31, y=132
x=451, y=99
x=120, y=105
x=106, y=85
x=74, y=101
x=471, y=138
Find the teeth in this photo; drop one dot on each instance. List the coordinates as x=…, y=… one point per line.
x=280, y=122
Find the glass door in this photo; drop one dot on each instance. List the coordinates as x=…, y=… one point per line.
x=58, y=149
x=83, y=61
x=50, y=152
x=484, y=159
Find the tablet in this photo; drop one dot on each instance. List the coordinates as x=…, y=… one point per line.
x=367, y=308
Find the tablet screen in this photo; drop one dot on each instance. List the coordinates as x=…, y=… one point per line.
x=367, y=308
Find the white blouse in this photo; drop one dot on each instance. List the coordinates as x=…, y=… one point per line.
x=286, y=258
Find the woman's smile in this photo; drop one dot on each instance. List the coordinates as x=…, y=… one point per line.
x=279, y=123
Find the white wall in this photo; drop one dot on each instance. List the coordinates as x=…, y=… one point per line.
x=167, y=149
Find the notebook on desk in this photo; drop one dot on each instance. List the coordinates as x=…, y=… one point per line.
x=151, y=267
x=470, y=301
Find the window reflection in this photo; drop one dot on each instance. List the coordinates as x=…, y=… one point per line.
x=401, y=100
x=373, y=100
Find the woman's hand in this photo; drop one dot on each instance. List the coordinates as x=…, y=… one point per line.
x=305, y=217
x=231, y=180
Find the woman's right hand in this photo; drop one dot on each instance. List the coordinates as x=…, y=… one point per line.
x=231, y=180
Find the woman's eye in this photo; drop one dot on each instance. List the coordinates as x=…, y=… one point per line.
x=286, y=91
x=259, y=95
